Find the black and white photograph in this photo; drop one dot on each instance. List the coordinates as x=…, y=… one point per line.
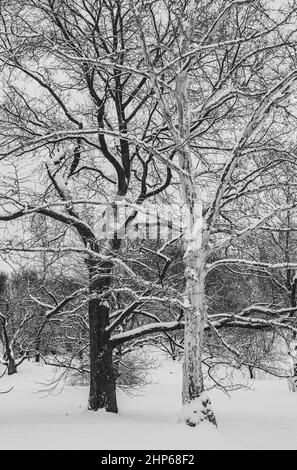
x=148, y=227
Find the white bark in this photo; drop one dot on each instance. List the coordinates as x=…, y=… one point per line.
x=292, y=381
x=196, y=405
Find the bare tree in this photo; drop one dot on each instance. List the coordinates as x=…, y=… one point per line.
x=184, y=71
x=135, y=100
x=97, y=108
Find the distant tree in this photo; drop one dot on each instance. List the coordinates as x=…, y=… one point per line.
x=10, y=330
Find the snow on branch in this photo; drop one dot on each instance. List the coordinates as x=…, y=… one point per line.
x=217, y=321
x=57, y=136
x=54, y=310
x=141, y=331
x=273, y=97
x=222, y=15
x=239, y=235
x=223, y=341
x=250, y=263
x=232, y=320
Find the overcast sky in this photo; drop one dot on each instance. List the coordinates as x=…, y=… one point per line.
x=4, y=266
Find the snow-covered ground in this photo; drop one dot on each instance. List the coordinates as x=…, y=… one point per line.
x=262, y=418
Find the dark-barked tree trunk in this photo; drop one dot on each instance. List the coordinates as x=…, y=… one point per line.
x=37, y=349
x=11, y=366
x=102, y=393
x=9, y=358
x=292, y=290
x=251, y=372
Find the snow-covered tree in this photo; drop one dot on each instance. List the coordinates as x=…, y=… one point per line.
x=116, y=103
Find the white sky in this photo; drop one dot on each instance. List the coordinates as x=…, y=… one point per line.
x=4, y=267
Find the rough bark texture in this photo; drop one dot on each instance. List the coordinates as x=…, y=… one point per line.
x=37, y=349
x=102, y=394
x=11, y=364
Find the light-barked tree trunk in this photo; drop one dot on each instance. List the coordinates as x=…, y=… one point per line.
x=292, y=381
x=196, y=405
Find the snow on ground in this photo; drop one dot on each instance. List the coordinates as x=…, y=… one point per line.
x=262, y=418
